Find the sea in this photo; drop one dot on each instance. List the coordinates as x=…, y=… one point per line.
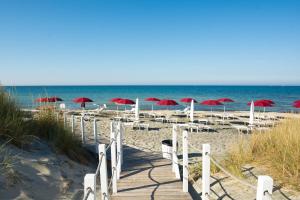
x=283, y=96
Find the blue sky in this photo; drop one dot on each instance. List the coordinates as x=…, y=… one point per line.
x=58, y=42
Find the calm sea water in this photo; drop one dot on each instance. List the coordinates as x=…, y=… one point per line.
x=282, y=95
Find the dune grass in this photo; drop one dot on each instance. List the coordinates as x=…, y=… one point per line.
x=277, y=151
x=21, y=129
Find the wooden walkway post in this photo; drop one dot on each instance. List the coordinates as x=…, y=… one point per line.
x=264, y=188
x=205, y=171
x=119, y=150
x=113, y=158
x=90, y=186
x=185, y=166
x=82, y=130
x=103, y=172
x=72, y=123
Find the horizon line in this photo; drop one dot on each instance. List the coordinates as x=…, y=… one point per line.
x=61, y=85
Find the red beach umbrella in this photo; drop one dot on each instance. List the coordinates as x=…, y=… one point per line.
x=297, y=102
x=152, y=99
x=167, y=102
x=82, y=100
x=125, y=102
x=297, y=105
x=225, y=100
x=211, y=103
x=54, y=99
x=115, y=100
x=42, y=99
x=266, y=100
x=188, y=100
x=261, y=104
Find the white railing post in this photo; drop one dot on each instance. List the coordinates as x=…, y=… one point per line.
x=72, y=123
x=103, y=172
x=57, y=116
x=82, y=130
x=185, y=162
x=205, y=171
x=90, y=184
x=264, y=188
x=113, y=158
x=175, y=168
x=95, y=131
x=65, y=120
x=119, y=150
x=122, y=131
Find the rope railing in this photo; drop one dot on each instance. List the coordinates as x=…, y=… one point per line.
x=90, y=179
x=231, y=175
x=89, y=190
x=264, y=183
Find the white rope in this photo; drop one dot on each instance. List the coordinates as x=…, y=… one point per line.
x=229, y=174
x=88, y=193
x=100, y=161
x=195, y=148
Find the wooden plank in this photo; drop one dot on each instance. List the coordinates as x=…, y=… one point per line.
x=148, y=176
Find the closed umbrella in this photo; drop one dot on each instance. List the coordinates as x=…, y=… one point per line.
x=136, y=109
x=192, y=111
x=251, y=117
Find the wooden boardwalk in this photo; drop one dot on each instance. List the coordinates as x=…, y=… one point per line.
x=147, y=176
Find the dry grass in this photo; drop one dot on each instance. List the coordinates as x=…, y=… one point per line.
x=196, y=170
x=20, y=129
x=277, y=151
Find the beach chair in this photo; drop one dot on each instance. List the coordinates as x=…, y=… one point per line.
x=185, y=111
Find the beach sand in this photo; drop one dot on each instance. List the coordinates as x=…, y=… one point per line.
x=47, y=175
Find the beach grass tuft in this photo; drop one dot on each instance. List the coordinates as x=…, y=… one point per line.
x=276, y=151
x=21, y=129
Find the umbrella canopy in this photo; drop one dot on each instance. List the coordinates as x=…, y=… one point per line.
x=192, y=111
x=188, y=100
x=297, y=102
x=82, y=100
x=115, y=100
x=261, y=104
x=125, y=102
x=211, y=103
x=152, y=99
x=251, y=117
x=54, y=99
x=297, y=105
x=167, y=102
x=42, y=99
x=225, y=100
x=266, y=100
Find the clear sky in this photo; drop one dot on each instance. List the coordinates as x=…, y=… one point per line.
x=57, y=42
